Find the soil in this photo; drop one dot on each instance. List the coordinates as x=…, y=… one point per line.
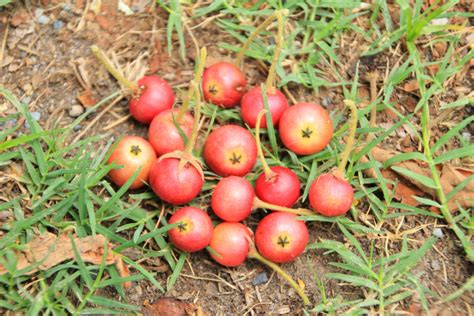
x=48, y=66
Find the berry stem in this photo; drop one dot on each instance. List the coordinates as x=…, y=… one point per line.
x=245, y=47
x=351, y=138
x=269, y=174
x=257, y=203
x=197, y=79
x=195, y=90
x=276, y=55
x=253, y=253
x=99, y=54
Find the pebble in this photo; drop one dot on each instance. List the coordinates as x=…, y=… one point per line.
x=260, y=278
x=36, y=115
x=76, y=110
x=43, y=19
x=326, y=101
x=438, y=232
x=26, y=100
x=435, y=265
x=67, y=7
x=58, y=24
x=77, y=127
x=466, y=135
x=38, y=12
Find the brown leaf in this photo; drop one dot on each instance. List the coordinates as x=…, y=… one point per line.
x=48, y=250
x=411, y=86
x=169, y=306
x=86, y=99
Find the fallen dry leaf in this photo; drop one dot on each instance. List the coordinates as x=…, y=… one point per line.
x=450, y=177
x=86, y=99
x=168, y=306
x=48, y=250
x=411, y=86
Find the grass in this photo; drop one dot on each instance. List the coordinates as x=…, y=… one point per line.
x=66, y=189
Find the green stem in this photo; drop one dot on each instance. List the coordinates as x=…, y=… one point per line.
x=351, y=138
x=257, y=203
x=99, y=54
x=253, y=253
x=197, y=78
x=195, y=86
x=269, y=174
x=245, y=47
x=276, y=55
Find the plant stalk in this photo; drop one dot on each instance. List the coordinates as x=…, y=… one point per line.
x=351, y=138
x=276, y=55
x=99, y=54
x=257, y=203
x=253, y=253
x=269, y=174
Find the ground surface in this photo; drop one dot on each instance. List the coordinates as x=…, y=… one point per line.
x=48, y=65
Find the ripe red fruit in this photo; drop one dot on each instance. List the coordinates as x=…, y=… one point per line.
x=230, y=244
x=280, y=237
x=163, y=134
x=281, y=188
x=223, y=84
x=154, y=96
x=252, y=104
x=175, y=183
x=230, y=150
x=305, y=128
x=194, y=231
x=232, y=199
x=331, y=195
x=132, y=152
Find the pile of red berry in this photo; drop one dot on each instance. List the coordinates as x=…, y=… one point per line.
x=167, y=163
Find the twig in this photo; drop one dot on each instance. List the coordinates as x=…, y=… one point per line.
x=117, y=122
x=4, y=44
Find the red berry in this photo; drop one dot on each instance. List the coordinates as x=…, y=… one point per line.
x=280, y=237
x=331, y=195
x=283, y=188
x=223, y=84
x=163, y=134
x=173, y=184
x=132, y=152
x=230, y=150
x=305, y=128
x=155, y=96
x=232, y=199
x=194, y=231
x=252, y=104
x=230, y=244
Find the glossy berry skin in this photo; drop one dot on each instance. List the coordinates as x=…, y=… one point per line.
x=194, y=231
x=230, y=243
x=175, y=185
x=305, y=128
x=230, y=150
x=163, y=134
x=280, y=237
x=252, y=104
x=155, y=96
x=223, y=84
x=282, y=189
x=232, y=199
x=331, y=195
x=132, y=152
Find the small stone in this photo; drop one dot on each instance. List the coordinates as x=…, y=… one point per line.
x=38, y=12
x=441, y=21
x=435, y=265
x=466, y=135
x=26, y=100
x=76, y=110
x=58, y=24
x=260, y=278
x=77, y=127
x=326, y=101
x=43, y=20
x=438, y=232
x=36, y=115
x=67, y=7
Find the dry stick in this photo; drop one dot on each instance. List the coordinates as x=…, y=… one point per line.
x=4, y=44
x=99, y=54
x=253, y=253
x=269, y=174
x=372, y=77
x=351, y=138
x=257, y=203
